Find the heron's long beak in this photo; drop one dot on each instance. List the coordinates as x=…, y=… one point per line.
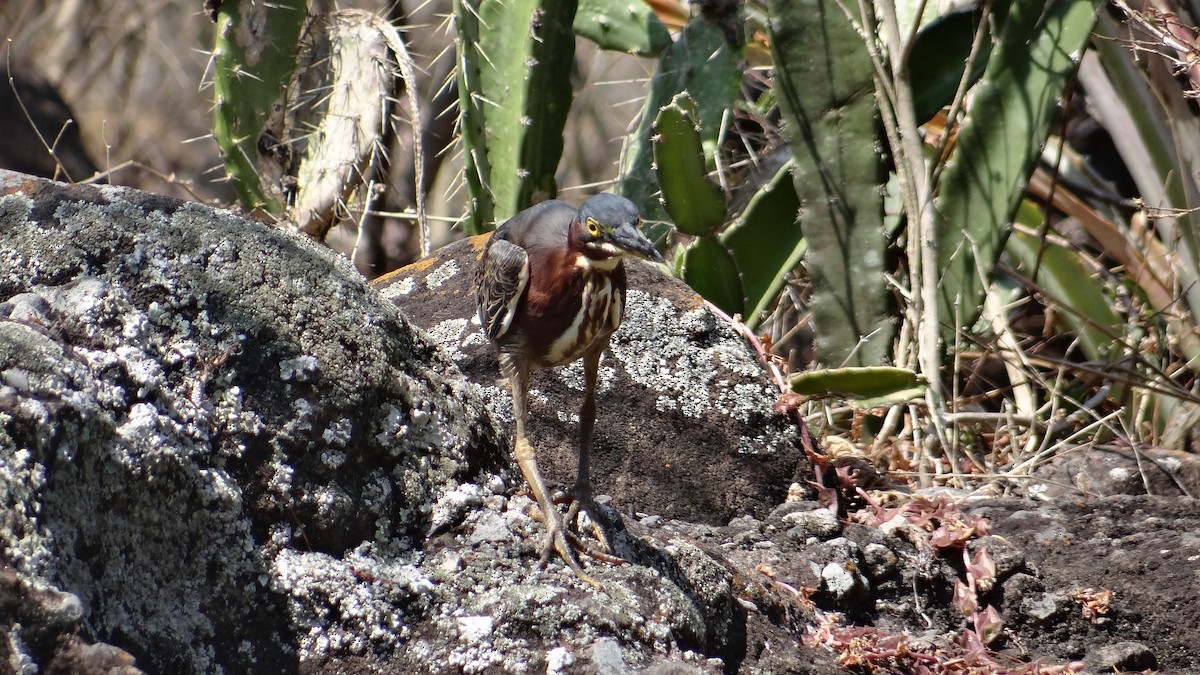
x=631, y=241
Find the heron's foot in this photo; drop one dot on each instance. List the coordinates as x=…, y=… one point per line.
x=581, y=500
x=561, y=542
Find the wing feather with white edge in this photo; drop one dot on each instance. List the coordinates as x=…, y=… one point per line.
x=503, y=277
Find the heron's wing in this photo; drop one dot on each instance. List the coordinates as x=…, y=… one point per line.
x=499, y=285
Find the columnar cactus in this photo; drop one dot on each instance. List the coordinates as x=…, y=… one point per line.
x=253, y=58
x=514, y=96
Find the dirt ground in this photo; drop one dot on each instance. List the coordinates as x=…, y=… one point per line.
x=1144, y=549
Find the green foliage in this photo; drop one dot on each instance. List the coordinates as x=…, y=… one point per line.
x=630, y=27
x=867, y=387
x=767, y=244
x=1009, y=120
x=696, y=205
x=709, y=69
x=940, y=55
x=1087, y=308
x=1157, y=156
x=742, y=268
x=668, y=158
x=253, y=58
x=703, y=165
x=709, y=268
x=823, y=80
x=514, y=85
x=741, y=232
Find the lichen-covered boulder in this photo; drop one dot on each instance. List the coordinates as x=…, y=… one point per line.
x=188, y=402
x=222, y=451
x=686, y=425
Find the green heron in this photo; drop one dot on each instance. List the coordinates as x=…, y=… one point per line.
x=551, y=291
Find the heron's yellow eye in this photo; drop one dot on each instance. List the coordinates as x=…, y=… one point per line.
x=593, y=227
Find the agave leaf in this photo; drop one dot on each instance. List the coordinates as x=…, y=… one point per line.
x=1144, y=262
x=1010, y=118
x=1058, y=270
x=938, y=58
x=1160, y=157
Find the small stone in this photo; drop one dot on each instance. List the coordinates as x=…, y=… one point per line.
x=489, y=528
x=558, y=660
x=1025, y=592
x=1039, y=608
x=475, y=629
x=743, y=531
x=840, y=581
x=796, y=493
x=879, y=561
x=453, y=562
x=819, y=523
x=780, y=512
x=28, y=308
x=607, y=658
x=743, y=523
x=651, y=521
x=837, y=579
x=1008, y=558
x=496, y=485
x=1122, y=656
x=839, y=550
x=747, y=538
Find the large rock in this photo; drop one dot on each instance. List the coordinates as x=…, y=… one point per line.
x=1106, y=470
x=686, y=425
x=191, y=399
x=221, y=451
x=1134, y=556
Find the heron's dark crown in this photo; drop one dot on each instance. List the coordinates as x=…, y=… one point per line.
x=611, y=211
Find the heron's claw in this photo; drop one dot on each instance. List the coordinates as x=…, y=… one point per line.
x=581, y=501
x=560, y=541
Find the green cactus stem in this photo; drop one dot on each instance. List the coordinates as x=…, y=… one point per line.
x=253, y=57
x=706, y=66
x=823, y=78
x=767, y=243
x=629, y=27
x=514, y=67
x=695, y=203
